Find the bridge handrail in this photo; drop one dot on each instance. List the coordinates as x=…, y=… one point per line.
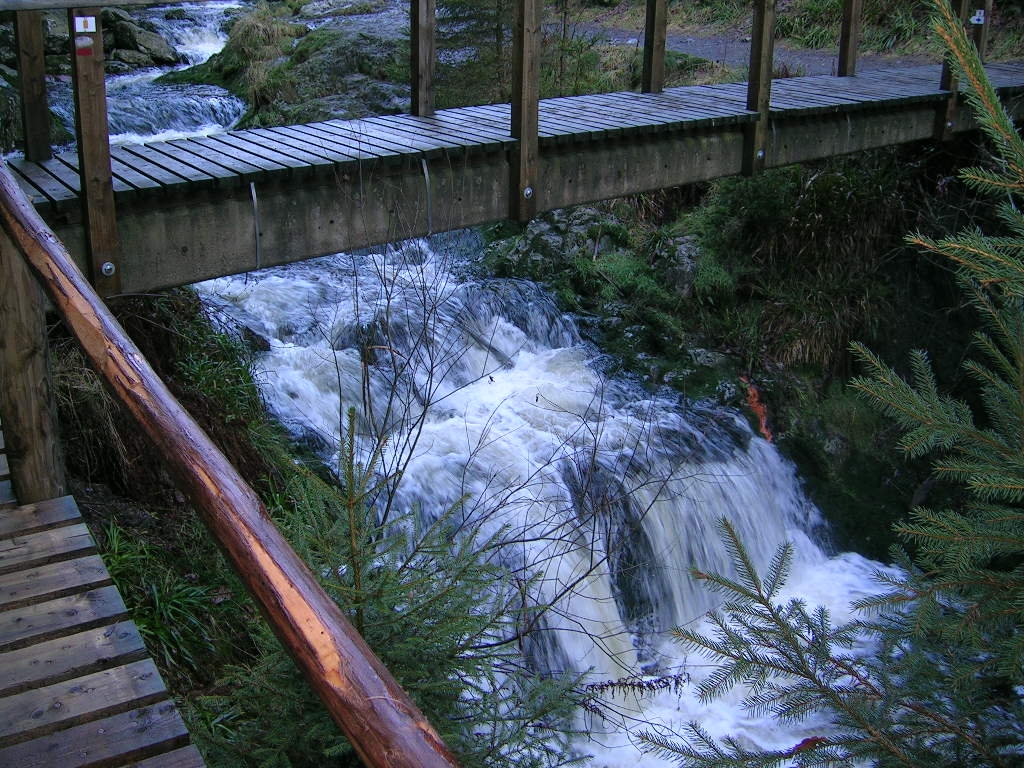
x=375, y=713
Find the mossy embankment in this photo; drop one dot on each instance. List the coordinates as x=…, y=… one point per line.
x=758, y=286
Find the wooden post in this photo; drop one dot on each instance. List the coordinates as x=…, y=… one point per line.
x=945, y=118
x=35, y=110
x=759, y=87
x=981, y=24
x=654, y=47
x=26, y=401
x=525, y=110
x=94, y=149
x=849, y=38
x=423, y=14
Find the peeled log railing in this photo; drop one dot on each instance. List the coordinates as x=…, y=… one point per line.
x=378, y=717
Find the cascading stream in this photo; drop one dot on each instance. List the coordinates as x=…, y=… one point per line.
x=610, y=493
x=140, y=109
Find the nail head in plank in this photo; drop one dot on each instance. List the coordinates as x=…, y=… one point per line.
x=63, y=616
x=72, y=656
x=132, y=735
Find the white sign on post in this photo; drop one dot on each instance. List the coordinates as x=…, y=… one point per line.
x=85, y=24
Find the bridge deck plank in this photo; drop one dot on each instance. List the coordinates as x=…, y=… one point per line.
x=147, y=153
x=180, y=152
x=279, y=150
x=39, y=711
x=299, y=145
x=461, y=133
x=40, y=516
x=230, y=164
x=362, y=152
x=315, y=144
x=240, y=151
x=160, y=174
x=408, y=147
x=25, y=550
x=431, y=144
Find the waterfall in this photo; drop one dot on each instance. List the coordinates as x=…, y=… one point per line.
x=140, y=109
x=607, y=491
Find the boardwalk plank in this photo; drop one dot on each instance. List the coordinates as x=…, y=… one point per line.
x=133, y=735
x=294, y=148
x=473, y=136
x=65, y=615
x=365, y=153
x=217, y=173
x=405, y=141
x=240, y=155
x=51, y=581
x=72, y=656
x=70, y=162
x=39, y=516
x=39, y=711
x=19, y=552
x=159, y=173
x=148, y=153
x=316, y=144
x=389, y=148
x=210, y=159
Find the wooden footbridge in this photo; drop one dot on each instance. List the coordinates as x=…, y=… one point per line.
x=138, y=217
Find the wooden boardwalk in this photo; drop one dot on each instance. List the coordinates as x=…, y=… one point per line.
x=192, y=209
x=76, y=686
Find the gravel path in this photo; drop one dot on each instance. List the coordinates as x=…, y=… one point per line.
x=735, y=51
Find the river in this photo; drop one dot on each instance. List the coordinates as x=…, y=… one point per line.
x=481, y=389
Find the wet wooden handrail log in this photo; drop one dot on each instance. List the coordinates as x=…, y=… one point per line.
x=375, y=713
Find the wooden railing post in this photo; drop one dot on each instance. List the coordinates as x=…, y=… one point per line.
x=384, y=726
x=525, y=110
x=35, y=109
x=26, y=396
x=981, y=24
x=94, y=149
x=423, y=17
x=945, y=118
x=759, y=86
x=655, y=32
x=849, y=38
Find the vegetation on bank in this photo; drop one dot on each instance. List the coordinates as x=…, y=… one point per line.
x=443, y=618
x=737, y=269
x=934, y=673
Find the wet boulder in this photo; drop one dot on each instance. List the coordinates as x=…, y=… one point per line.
x=129, y=42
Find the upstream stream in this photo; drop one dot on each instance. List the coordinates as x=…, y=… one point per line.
x=486, y=392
